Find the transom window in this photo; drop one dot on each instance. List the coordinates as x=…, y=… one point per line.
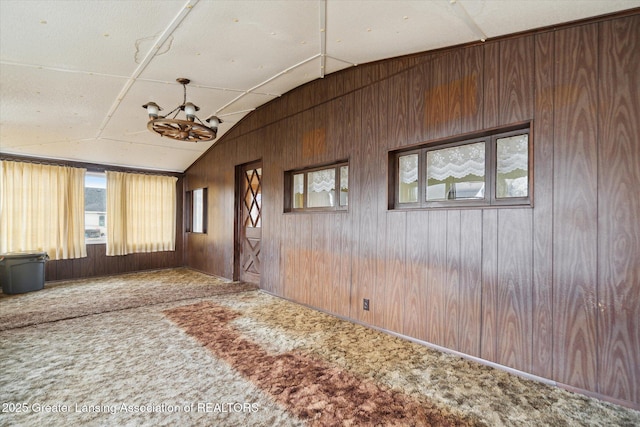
x=320, y=188
x=492, y=169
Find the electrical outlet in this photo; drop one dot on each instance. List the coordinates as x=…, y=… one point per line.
x=365, y=304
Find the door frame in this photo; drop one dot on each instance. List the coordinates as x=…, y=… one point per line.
x=238, y=206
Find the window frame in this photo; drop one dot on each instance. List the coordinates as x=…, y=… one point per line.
x=190, y=210
x=102, y=240
x=289, y=188
x=490, y=138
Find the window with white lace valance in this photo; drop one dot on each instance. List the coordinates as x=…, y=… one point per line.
x=488, y=170
x=325, y=188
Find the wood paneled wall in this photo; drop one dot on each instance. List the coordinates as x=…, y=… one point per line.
x=552, y=290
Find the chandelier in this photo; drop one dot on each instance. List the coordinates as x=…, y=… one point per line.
x=182, y=130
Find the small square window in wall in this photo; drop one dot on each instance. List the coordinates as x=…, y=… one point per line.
x=491, y=168
x=324, y=188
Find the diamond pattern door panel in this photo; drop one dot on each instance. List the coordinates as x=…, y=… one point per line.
x=251, y=220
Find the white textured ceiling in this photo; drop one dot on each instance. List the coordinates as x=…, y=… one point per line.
x=74, y=74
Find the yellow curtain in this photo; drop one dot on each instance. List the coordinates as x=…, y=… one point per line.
x=141, y=212
x=42, y=209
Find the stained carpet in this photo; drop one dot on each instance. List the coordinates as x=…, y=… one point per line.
x=250, y=359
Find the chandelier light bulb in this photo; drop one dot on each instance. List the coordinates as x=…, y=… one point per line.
x=190, y=111
x=213, y=121
x=152, y=110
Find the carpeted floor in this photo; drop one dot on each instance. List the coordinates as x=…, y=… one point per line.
x=69, y=299
x=211, y=357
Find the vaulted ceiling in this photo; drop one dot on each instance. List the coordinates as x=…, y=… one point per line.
x=74, y=74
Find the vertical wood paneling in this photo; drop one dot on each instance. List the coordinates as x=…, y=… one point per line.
x=322, y=275
x=509, y=66
x=365, y=207
x=99, y=253
x=575, y=221
x=470, y=293
x=418, y=78
x=271, y=194
x=490, y=331
x=436, y=276
x=340, y=249
x=417, y=301
x=542, y=298
x=388, y=307
x=618, y=208
x=391, y=298
x=289, y=255
x=304, y=243
x=451, y=290
x=308, y=138
x=516, y=80
x=289, y=249
x=228, y=215
x=398, y=104
x=472, y=89
x=436, y=101
x=491, y=83
x=514, y=314
x=453, y=121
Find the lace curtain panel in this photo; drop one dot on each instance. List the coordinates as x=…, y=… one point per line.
x=456, y=162
x=142, y=213
x=42, y=209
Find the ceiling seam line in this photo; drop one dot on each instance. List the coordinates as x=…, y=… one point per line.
x=473, y=26
x=354, y=64
x=323, y=37
x=270, y=79
x=62, y=70
x=168, y=31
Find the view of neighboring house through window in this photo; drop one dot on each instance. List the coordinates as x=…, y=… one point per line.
x=95, y=207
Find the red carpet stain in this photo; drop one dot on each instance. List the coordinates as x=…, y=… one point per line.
x=313, y=390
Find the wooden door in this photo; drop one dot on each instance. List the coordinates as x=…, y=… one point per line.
x=250, y=222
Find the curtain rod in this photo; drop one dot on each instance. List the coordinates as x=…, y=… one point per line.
x=90, y=167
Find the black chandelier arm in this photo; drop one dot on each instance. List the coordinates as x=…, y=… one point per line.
x=175, y=110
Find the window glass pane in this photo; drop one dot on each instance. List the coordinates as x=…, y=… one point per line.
x=321, y=188
x=344, y=185
x=456, y=172
x=95, y=207
x=512, y=175
x=253, y=198
x=198, y=209
x=408, y=178
x=298, y=191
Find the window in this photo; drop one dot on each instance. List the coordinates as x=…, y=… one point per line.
x=318, y=189
x=141, y=211
x=95, y=208
x=197, y=210
x=42, y=209
x=490, y=169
